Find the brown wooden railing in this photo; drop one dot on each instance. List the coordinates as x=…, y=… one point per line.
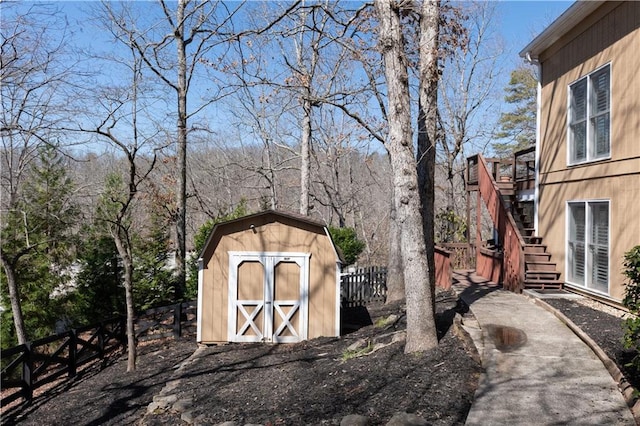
x=444, y=273
x=511, y=242
x=462, y=255
x=519, y=169
x=524, y=169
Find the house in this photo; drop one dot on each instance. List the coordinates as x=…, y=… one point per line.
x=587, y=190
x=268, y=277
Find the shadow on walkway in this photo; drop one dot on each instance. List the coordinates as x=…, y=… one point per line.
x=471, y=287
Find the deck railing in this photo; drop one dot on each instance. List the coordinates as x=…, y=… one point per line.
x=519, y=169
x=524, y=168
x=510, y=241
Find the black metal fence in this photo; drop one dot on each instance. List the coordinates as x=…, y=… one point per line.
x=363, y=286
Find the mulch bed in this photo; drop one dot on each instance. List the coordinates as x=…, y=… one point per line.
x=106, y=393
x=606, y=329
x=313, y=382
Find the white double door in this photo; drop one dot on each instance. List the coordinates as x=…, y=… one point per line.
x=268, y=295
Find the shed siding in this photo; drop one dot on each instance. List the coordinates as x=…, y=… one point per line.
x=611, y=35
x=283, y=235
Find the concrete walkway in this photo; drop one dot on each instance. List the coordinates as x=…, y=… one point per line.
x=537, y=371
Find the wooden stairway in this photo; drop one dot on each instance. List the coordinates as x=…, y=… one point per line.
x=541, y=272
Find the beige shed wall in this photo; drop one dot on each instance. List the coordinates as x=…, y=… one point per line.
x=286, y=235
x=610, y=35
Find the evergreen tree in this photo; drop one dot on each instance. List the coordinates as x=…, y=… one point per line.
x=518, y=126
x=38, y=248
x=99, y=292
x=154, y=280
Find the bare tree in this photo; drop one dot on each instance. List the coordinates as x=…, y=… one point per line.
x=421, y=331
x=466, y=93
x=428, y=74
x=195, y=30
x=118, y=117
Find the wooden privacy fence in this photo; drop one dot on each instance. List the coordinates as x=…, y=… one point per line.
x=363, y=286
x=368, y=285
x=27, y=367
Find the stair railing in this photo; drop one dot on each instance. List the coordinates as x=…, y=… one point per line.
x=510, y=238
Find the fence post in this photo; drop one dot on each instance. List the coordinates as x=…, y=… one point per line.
x=101, y=332
x=27, y=370
x=73, y=351
x=177, y=316
x=123, y=331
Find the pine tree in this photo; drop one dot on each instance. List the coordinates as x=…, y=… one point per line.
x=38, y=248
x=99, y=293
x=518, y=127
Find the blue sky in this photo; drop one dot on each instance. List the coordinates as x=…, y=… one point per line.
x=521, y=21
x=516, y=23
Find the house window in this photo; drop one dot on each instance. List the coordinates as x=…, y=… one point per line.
x=589, y=117
x=588, y=245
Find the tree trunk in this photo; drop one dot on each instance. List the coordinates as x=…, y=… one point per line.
x=421, y=330
x=305, y=162
x=395, y=278
x=125, y=254
x=181, y=214
x=428, y=127
x=14, y=297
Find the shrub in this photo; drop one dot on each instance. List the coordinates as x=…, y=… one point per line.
x=347, y=241
x=632, y=302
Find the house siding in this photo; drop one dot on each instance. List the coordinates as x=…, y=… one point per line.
x=611, y=35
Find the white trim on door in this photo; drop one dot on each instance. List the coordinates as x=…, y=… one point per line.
x=270, y=307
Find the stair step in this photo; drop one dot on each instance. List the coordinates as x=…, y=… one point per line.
x=540, y=266
x=541, y=275
x=532, y=239
x=537, y=257
x=544, y=285
x=535, y=248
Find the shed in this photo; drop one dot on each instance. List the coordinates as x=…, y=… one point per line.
x=268, y=277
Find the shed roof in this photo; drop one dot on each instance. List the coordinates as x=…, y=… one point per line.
x=571, y=17
x=219, y=227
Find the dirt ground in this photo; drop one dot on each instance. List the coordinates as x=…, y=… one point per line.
x=314, y=382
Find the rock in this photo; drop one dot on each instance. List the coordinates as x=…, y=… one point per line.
x=357, y=345
x=171, y=385
x=151, y=408
x=182, y=404
x=163, y=401
x=227, y=424
x=406, y=419
x=187, y=417
x=354, y=420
